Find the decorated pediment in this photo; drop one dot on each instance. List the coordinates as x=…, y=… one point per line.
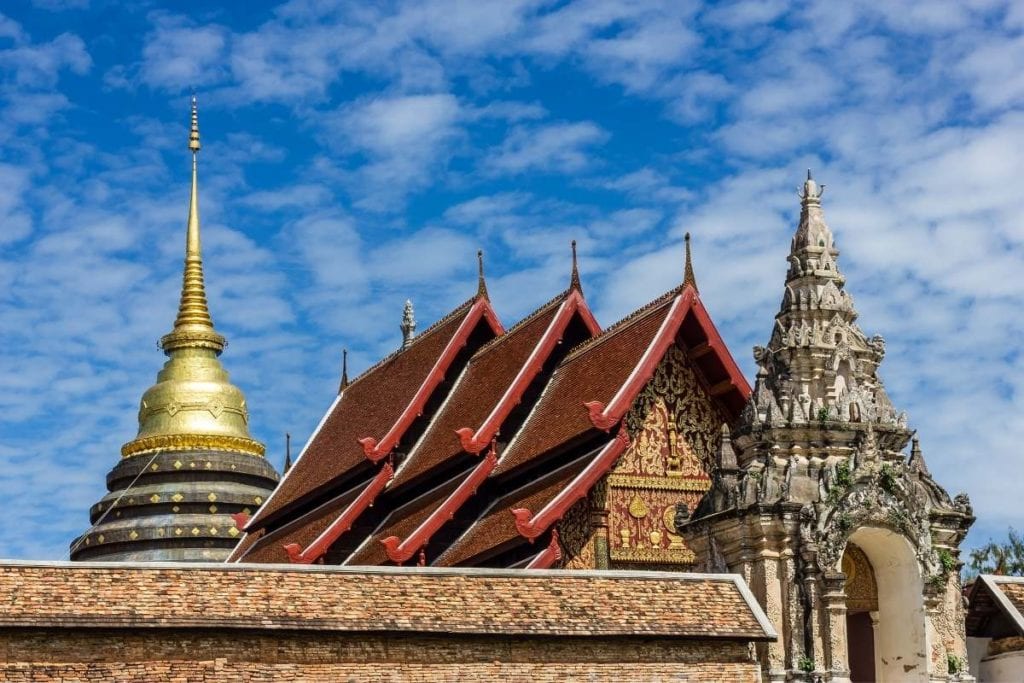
x=674, y=429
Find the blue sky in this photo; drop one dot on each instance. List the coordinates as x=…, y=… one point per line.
x=357, y=154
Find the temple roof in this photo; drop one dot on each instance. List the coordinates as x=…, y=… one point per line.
x=996, y=607
x=488, y=389
x=528, y=425
x=496, y=528
x=379, y=405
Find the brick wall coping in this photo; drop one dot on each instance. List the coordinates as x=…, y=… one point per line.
x=37, y=594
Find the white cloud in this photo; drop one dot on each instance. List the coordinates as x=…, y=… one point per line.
x=556, y=147
x=178, y=55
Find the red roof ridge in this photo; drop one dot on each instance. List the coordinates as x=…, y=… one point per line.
x=551, y=554
x=400, y=551
x=573, y=303
x=377, y=450
x=343, y=522
x=540, y=310
x=613, y=329
x=454, y=313
x=606, y=417
x=531, y=525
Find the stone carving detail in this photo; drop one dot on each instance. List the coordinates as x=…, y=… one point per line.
x=817, y=455
x=675, y=430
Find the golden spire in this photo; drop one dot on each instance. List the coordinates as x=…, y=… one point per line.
x=688, y=277
x=481, y=283
x=193, y=405
x=193, y=327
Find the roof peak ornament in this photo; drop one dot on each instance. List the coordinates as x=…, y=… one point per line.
x=689, y=279
x=344, y=371
x=193, y=327
x=574, y=279
x=408, y=325
x=811, y=193
x=481, y=283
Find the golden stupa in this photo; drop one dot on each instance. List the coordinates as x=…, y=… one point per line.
x=193, y=463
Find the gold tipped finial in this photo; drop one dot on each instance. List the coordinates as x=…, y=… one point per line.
x=344, y=371
x=574, y=279
x=689, y=280
x=193, y=328
x=481, y=283
x=193, y=136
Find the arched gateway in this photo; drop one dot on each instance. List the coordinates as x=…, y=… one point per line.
x=850, y=545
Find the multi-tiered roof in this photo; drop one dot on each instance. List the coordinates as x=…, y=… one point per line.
x=471, y=443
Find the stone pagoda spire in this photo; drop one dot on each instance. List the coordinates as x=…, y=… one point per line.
x=193, y=462
x=818, y=364
x=815, y=468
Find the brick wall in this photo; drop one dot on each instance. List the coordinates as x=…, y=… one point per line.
x=203, y=623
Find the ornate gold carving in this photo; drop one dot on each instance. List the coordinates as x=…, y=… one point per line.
x=699, y=484
x=192, y=442
x=675, y=428
x=637, y=507
x=861, y=587
x=576, y=537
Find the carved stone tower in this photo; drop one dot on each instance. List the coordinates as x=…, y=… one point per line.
x=851, y=547
x=193, y=464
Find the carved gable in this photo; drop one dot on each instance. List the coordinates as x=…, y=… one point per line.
x=674, y=429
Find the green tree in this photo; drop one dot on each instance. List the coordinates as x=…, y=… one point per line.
x=1006, y=557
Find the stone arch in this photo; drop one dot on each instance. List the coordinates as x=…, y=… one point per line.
x=901, y=647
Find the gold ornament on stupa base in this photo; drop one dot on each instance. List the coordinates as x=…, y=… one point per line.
x=193, y=445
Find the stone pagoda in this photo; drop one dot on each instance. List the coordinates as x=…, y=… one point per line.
x=850, y=545
x=193, y=468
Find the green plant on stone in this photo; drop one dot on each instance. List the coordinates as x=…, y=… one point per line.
x=954, y=664
x=887, y=478
x=822, y=415
x=805, y=664
x=947, y=561
x=843, y=478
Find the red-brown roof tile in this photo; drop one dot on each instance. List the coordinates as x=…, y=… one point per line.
x=368, y=407
x=592, y=372
x=400, y=523
x=479, y=388
x=269, y=548
x=497, y=526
